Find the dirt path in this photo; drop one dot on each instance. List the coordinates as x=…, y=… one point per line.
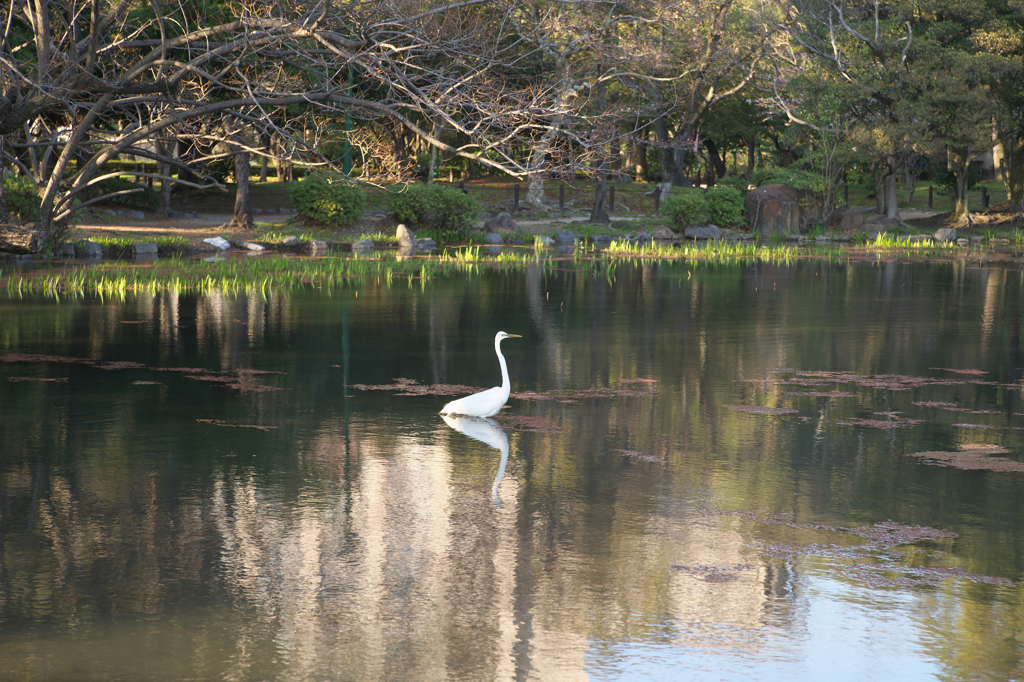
x=198, y=228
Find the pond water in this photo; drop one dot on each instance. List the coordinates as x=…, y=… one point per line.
x=704, y=473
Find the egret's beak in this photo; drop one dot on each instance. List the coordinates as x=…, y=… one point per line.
x=513, y=336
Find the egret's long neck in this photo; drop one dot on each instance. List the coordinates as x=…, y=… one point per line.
x=505, y=385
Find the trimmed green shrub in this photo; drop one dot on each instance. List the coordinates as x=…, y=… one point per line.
x=685, y=207
x=434, y=206
x=332, y=203
x=724, y=204
x=22, y=199
x=143, y=197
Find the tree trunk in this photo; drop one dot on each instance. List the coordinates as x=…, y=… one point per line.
x=164, y=171
x=751, y=151
x=263, y=159
x=716, y=159
x=243, y=200
x=1013, y=173
x=3, y=189
x=891, y=208
x=599, y=214
x=958, y=160
x=642, y=171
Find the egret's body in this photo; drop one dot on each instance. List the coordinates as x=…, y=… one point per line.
x=485, y=403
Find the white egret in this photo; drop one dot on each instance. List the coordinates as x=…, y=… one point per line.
x=485, y=403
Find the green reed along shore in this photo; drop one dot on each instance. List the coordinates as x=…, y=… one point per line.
x=239, y=271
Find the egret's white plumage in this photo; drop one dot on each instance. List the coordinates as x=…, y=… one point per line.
x=485, y=403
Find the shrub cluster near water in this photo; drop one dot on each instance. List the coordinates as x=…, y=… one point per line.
x=328, y=200
x=443, y=209
x=722, y=205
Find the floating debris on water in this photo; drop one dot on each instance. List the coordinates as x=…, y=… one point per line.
x=18, y=380
x=147, y=383
x=530, y=424
x=881, y=423
x=760, y=409
x=221, y=422
x=822, y=394
x=712, y=574
x=975, y=372
x=972, y=457
x=636, y=456
x=413, y=387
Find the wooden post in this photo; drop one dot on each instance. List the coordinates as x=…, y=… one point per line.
x=611, y=198
x=984, y=197
x=846, y=193
x=515, y=198
x=930, y=190
x=657, y=200
x=561, y=197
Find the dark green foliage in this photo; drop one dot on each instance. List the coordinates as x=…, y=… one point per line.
x=724, y=204
x=331, y=203
x=22, y=199
x=434, y=206
x=945, y=179
x=737, y=182
x=142, y=197
x=791, y=177
x=685, y=207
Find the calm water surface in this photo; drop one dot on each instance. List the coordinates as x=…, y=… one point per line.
x=629, y=517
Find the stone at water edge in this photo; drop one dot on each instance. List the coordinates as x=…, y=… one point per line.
x=363, y=244
x=503, y=221
x=425, y=244
x=494, y=238
x=405, y=236
x=945, y=234
x=219, y=242
x=544, y=241
x=566, y=237
x=316, y=246
x=705, y=232
x=662, y=232
x=290, y=240
x=90, y=249
x=143, y=248
x=249, y=246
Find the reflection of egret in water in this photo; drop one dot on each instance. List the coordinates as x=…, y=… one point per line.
x=486, y=431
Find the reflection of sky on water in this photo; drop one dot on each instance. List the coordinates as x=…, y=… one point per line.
x=845, y=634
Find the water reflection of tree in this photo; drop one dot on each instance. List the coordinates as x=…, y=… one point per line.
x=336, y=560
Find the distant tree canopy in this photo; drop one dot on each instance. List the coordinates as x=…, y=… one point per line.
x=533, y=89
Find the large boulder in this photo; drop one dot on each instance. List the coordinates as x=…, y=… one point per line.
x=503, y=221
x=89, y=249
x=779, y=210
x=850, y=220
x=705, y=232
x=405, y=236
x=945, y=234
x=663, y=232
x=877, y=224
